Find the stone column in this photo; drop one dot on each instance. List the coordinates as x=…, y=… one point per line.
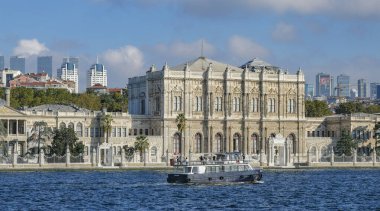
x=332, y=156
x=111, y=155
x=308, y=157
x=374, y=156
x=42, y=160
x=68, y=155
x=122, y=157
x=355, y=157
x=98, y=162
x=15, y=154
x=93, y=157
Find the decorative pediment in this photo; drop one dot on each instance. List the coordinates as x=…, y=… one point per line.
x=236, y=90
x=198, y=89
x=176, y=88
x=7, y=111
x=255, y=90
x=272, y=91
x=292, y=91
x=219, y=89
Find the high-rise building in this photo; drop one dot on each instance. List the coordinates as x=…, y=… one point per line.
x=45, y=64
x=97, y=75
x=73, y=60
x=324, y=84
x=343, y=85
x=373, y=90
x=2, y=64
x=309, y=90
x=378, y=92
x=17, y=63
x=362, y=88
x=69, y=71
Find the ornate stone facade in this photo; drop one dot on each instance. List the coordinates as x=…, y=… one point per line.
x=227, y=108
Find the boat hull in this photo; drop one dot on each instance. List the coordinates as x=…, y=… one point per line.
x=219, y=177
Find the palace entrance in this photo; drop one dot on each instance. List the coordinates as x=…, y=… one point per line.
x=280, y=151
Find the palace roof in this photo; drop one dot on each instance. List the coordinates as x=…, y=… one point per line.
x=57, y=107
x=203, y=63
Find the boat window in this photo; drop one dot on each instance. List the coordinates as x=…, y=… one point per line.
x=242, y=168
x=187, y=169
x=212, y=169
x=234, y=168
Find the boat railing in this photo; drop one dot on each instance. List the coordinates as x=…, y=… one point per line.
x=209, y=162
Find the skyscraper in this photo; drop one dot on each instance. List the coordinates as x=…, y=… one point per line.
x=45, y=64
x=97, y=75
x=362, y=88
x=17, y=63
x=309, y=90
x=69, y=71
x=2, y=65
x=373, y=90
x=324, y=85
x=73, y=60
x=343, y=85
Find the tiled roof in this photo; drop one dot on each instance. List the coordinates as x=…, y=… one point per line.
x=57, y=107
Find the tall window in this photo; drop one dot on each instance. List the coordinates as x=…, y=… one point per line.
x=198, y=143
x=236, y=104
x=255, y=104
x=271, y=105
x=142, y=106
x=176, y=144
x=198, y=103
x=177, y=104
x=158, y=105
x=255, y=144
x=78, y=129
x=219, y=146
x=291, y=106
x=218, y=104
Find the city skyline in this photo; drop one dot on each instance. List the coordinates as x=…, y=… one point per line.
x=318, y=36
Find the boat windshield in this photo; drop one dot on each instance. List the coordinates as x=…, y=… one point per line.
x=187, y=169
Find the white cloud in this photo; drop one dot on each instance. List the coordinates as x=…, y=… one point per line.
x=122, y=63
x=284, y=32
x=245, y=48
x=29, y=48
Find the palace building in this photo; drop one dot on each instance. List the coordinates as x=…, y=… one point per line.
x=256, y=109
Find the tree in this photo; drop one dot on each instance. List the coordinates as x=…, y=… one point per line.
x=349, y=108
x=106, y=123
x=345, y=145
x=66, y=138
x=181, y=124
x=40, y=134
x=316, y=108
x=129, y=152
x=141, y=144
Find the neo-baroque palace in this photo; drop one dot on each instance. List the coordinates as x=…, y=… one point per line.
x=256, y=109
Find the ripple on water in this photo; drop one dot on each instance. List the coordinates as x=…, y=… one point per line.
x=332, y=189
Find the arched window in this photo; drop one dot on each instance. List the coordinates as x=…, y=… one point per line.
x=177, y=104
x=291, y=108
x=176, y=144
x=219, y=143
x=292, y=139
x=62, y=125
x=79, y=130
x=71, y=125
x=236, y=104
x=198, y=143
x=255, y=143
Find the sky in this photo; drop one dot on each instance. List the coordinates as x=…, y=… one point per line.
x=128, y=36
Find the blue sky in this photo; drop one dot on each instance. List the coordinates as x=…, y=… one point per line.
x=333, y=36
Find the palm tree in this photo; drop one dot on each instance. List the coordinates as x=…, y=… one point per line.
x=106, y=122
x=3, y=135
x=141, y=144
x=40, y=133
x=181, y=124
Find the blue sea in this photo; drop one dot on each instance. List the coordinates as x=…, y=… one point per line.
x=321, y=189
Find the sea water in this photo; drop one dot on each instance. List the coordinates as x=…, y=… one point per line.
x=322, y=189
